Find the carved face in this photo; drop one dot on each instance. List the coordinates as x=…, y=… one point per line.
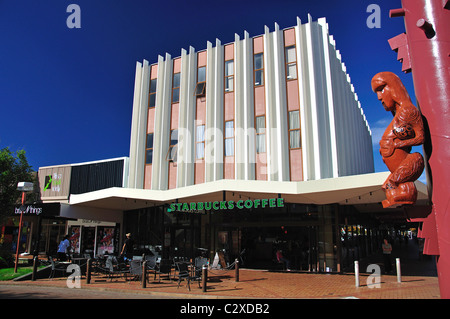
x=384, y=94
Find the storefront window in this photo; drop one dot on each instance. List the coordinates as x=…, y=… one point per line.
x=52, y=233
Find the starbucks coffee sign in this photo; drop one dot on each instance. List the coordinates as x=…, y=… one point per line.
x=226, y=205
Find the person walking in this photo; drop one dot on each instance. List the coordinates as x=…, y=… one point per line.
x=127, y=249
x=63, y=248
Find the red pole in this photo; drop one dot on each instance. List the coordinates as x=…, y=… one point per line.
x=427, y=24
x=18, y=236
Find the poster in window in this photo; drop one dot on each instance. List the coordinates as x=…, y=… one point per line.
x=105, y=240
x=75, y=238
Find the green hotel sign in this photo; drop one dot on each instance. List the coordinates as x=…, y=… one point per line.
x=226, y=205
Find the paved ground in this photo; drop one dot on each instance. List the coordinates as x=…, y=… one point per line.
x=419, y=281
x=252, y=284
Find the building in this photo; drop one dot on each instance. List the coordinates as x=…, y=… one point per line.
x=246, y=148
x=275, y=107
x=45, y=222
x=254, y=145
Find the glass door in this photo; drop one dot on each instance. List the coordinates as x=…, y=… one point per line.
x=52, y=233
x=88, y=240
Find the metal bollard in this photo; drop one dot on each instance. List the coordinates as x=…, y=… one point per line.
x=236, y=268
x=35, y=265
x=356, y=273
x=204, y=277
x=88, y=271
x=399, y=271
x=144, y=274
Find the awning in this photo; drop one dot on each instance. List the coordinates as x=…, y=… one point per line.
x=347, y=190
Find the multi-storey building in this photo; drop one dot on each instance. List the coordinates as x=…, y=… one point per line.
x=275, y=107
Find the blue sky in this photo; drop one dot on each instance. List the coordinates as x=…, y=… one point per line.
x=66, y=94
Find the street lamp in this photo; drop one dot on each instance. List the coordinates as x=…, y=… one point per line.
x=23, y=187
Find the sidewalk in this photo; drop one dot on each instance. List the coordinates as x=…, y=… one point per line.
x=419, y=281
x=259, y=284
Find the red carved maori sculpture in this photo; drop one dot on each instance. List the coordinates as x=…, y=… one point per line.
x=405, y=130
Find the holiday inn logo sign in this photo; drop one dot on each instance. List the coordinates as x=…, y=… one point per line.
x=225, y=205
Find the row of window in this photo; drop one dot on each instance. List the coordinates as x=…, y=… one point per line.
x=260, y=127
x=200, y=88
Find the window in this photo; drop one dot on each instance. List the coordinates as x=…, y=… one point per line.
x=260, y=124
x=149, y=149
x=258, y=68
x=294, y=129
x=229, y=76
x=200, y=142
x=200, y=89
x=152, y=94
x=229, y=138
x=173, y=146
x=176, y=88
x=291, y=63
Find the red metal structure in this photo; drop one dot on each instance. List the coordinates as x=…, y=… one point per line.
x=425, y=51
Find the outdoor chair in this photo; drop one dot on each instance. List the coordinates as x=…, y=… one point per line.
x=164, y=267
x=241, y=257
x=136, y=269
x=198, y=265
x=112, y=267
x=56, y=267
x=151, y=264
x=184, y=274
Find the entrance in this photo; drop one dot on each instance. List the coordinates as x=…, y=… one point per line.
x=52, y=233
x=183, y=243
x=298, y=244
x=88, y=240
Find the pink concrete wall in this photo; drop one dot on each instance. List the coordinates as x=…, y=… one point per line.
x=201, y=59
x=258, y=45
x=172, y=182
x=261, y=166
x=229, y=52
x=260, y=101
x=228, y=161
x=289, y=37
x=154, y=71
x=296, y=166
x=177, y=65
x=150, y=129
x=292, y=95
x=148, y=177
x=200, y=118
x=228, y=167
x=151, y=120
